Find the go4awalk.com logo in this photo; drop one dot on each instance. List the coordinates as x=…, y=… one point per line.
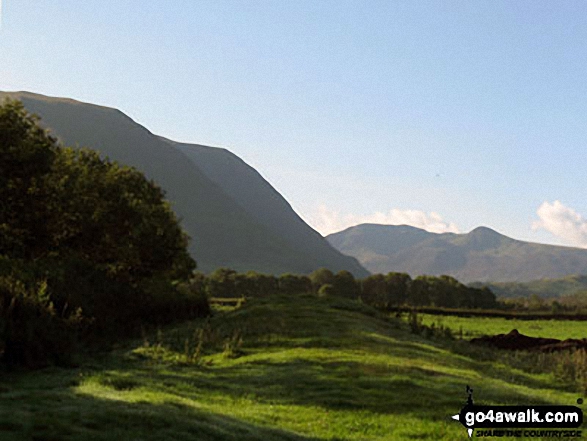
x=520, y=421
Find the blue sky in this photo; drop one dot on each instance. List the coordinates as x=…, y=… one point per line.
x=445, y=115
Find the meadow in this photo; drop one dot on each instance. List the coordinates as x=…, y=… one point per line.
x=282, y=368
x=478, y=326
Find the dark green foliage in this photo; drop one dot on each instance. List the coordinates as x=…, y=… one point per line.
x=32, y=332
x=227, y=283
x=26, y=157
x=398, y=287
x=342, y=284
x=74, y=283
x=419, y=291
x=482, y=298
x=59, y=202
x=253, y=284
x=415, y=322
x=327, y=290
x=294, y=284
x=164, y=303
x=345, y=285
x=222, y=283
x=384, y=292
x=446, y=291
x=262, y=285
x=321, y=277
x=116, y=219
x=81, y=240
x=374, y=290
x=433, y=330
x=196, y=283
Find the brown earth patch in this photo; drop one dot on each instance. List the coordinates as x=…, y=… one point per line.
x=516, y=341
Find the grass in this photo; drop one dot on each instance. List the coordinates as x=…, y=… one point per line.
x=297, y=368
x=478, y=326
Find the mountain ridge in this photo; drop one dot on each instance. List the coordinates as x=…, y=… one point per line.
x=482, y=255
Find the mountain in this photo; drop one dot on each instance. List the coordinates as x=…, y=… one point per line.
x=567, y=286
x=481, y=255
x=234, y=217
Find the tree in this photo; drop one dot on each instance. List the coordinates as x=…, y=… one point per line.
x=27, y=153
x=484, y=298
x=321, y=276
x=114, y=217
x=221, y=283
x=60, y=203
x=374, y=290
x=294, y=284
x=443, y=290
x=420, y=291
x=345, y=285
x=81, y=237
x=262, y=285
x=397, y=288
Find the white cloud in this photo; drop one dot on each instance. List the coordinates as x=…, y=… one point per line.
x=563, y=222
x=328, y=221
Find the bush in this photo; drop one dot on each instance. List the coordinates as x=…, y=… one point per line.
x=82, y=240
x=32, y=333
x=326, y=290
x=294, y=284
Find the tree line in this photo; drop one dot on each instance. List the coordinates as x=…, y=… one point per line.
x=381, y=291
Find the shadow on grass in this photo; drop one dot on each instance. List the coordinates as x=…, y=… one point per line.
x=452, y=355
x=462, y=355
x=66, y=415
x=344, y=385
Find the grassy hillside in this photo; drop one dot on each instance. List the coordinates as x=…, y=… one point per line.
x=480, y=255
x=297, y=368
x=224, y=234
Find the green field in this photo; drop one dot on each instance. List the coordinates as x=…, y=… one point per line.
x=297, y=368
x=478, y=326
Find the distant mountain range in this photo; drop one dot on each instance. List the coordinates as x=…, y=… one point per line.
x=546, y=288
x=235, y=217
x=482, y=255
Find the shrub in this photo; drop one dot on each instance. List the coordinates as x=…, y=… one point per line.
x=32, y=333
x=294, y=284
x=326, y=290
x=81, y=239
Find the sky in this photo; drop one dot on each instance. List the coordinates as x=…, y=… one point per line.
x=445, y=115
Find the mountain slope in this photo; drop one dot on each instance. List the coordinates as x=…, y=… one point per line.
x=223, y=232
x=265, y=205
x=481, y=255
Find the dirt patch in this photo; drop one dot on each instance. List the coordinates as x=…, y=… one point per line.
x=516, y=341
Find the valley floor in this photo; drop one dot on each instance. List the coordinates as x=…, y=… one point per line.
x=478, y=326
x=297, y=368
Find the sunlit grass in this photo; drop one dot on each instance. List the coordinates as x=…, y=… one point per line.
x=477, y=326
x=299, y=368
